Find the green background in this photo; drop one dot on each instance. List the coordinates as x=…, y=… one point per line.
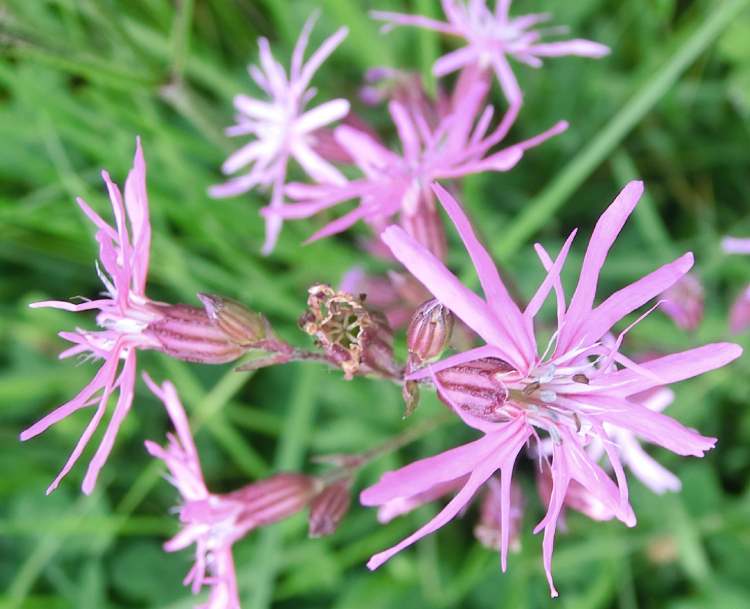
x=80, y=78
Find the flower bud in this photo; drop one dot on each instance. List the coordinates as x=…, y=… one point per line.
x=355, y=339
x=739, y=316
x=487, y=530
x=187, y=333
x=241, y=325
x=273, y=499
x=683, y=302
x=328, y=508
x=476, y=387
x=429, y=331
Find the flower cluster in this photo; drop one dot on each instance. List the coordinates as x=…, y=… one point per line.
x=570, y=398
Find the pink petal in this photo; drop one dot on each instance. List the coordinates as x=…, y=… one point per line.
x=645, y=468
x=318, y=169
x=319, y=56
x=322, y=115
x=552, y=279
x=506, y=448
x=454, y=60
x=507, y=79
x=507, y=312
x=136, y=204
x=734, y=245
x=655, y=427
x=424, y=474
x=415, y=20
x=255, y=108
x=124, y=402
x=407, y=133
x=577, y=46
x=628, y=299
x=671, y=368
x=607, y=228
x=339, y=225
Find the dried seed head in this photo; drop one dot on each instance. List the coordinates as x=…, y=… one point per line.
x=187, y=333
x=429, y=331
x=328, y=508
x=241, y=325
x=354, y=338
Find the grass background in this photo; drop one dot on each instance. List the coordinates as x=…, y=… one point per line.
x=80, y=78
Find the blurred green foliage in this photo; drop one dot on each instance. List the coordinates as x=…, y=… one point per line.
x=80, y=78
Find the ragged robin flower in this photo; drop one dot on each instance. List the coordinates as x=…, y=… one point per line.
x=129, y=321
x=567, y=392
x=282, y=127
x=491, y=38
x=397, y=183
x=214, y=522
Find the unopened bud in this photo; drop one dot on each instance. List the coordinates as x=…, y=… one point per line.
x=328, y=508
x=429, y=331
x=684, y=301
x=410, y=393
x=187, y=333
x=476, y=387
x=739, y=315
x=487, y=530
x=275, y=498
x=241, y=325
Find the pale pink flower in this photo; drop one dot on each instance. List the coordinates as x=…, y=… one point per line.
x=739, y=315
x=491, y=37
x=215, y=522
x=567, y=392
x=683, y=302
x=396, y=183
x=282, y=127
x=125, y=312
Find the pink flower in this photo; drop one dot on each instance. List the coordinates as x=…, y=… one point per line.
x=129, y=321
x=491, y=37
x=568, y=392
x=399, y=183
x=125, y=312
x=215, y=522
x=739, y=315
x=282, y=127
x=208, y=521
